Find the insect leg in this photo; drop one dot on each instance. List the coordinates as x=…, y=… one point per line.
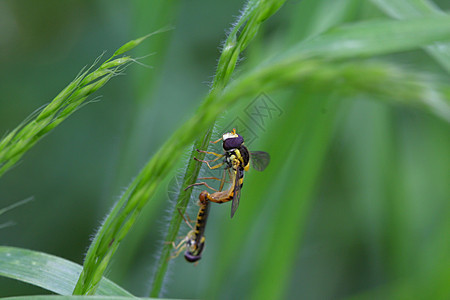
x=185, y=220
x=180, y=247
x=214, y=178
x=207, y=163
x=200, y=183
x=212, y=160
x=215, y=142
x=213, y=153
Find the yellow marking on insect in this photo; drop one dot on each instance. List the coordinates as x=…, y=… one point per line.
x=237, y=161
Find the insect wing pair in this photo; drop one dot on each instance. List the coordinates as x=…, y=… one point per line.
x=259, y=161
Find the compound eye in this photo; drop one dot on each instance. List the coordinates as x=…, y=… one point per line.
x=233, y=143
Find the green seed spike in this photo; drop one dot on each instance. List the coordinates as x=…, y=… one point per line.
x=116, y=63
x=15, y=144
x=131, y=44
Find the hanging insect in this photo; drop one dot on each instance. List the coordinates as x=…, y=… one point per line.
x=236, y=158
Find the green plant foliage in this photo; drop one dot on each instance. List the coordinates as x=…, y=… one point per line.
x=47, y=271
x=404, y=9
x=352, y=101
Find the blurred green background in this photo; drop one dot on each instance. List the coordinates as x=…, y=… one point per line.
x=353, y=204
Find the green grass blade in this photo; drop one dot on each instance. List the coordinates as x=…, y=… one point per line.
x=302, y=165
x=312, y=18
x=48, y=272
x=377, y=37
x=404, y=9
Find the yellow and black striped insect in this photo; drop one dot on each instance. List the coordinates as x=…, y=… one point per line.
x=194, y=242
x=236, y=158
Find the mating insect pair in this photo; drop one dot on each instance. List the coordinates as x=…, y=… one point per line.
x=236, y=158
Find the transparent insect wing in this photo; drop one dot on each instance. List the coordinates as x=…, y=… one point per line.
x=237, y=192
x=259, y=160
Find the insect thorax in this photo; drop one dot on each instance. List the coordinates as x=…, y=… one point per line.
x=191, y=245
x=241, y=154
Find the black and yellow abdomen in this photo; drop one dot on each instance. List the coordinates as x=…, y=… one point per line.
x=196, y=241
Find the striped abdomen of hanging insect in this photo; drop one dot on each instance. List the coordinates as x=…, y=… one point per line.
x=196, y=241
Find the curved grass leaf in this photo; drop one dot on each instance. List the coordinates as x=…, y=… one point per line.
x=306, y=157
x=48, y=272
x=404, y=9
x=377, y=37
x=313, y=17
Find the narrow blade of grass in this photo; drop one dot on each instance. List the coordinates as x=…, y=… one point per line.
x=405, y=9
x=378, y=37
x=312, y=18
x=48, y=272
x=303, y=165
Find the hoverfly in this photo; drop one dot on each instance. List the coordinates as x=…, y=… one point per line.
x=194, y=241
x=237, y=159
